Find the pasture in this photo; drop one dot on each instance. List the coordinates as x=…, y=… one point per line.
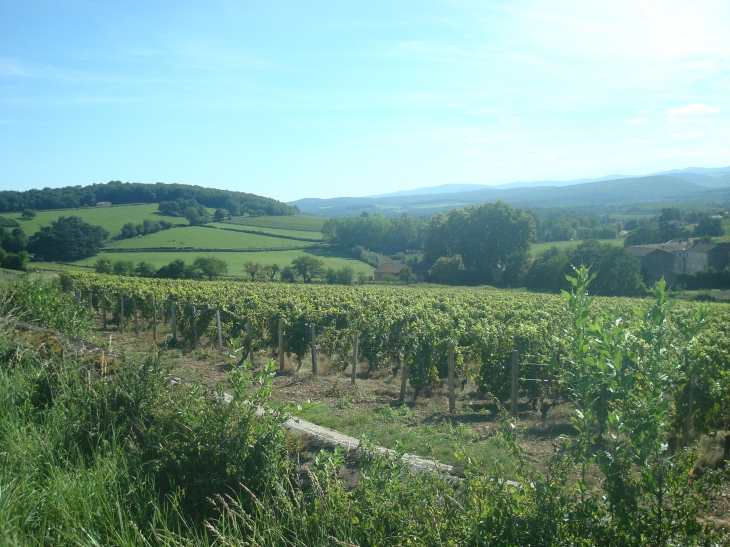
x=235, y=260
x=205, y=238
x=538, y=248
x=110, y=218
x=298, y=222
x=275, y=232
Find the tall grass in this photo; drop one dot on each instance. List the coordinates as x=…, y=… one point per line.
x=132, y=462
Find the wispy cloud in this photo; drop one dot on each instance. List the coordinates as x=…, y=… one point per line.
x=637, y=120
x=692, y=135
x=693, y=109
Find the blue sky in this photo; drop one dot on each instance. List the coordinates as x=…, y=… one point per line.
x=324, y=99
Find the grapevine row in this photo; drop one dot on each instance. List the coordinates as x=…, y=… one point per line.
x=410, y=325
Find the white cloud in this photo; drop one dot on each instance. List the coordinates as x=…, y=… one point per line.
x=637, y=120
x=692, y=110
x=642, y=141
x=693, y=135
x=674, y=119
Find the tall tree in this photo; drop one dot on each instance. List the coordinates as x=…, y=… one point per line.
x=67, y=239
x=308, y=267
x=484, y=236
x=255, y=270
x=211, y=266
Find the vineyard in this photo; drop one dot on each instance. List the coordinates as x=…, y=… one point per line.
x=643, y=387
x=413, y=327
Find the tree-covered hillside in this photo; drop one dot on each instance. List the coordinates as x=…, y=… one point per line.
x=119, y=193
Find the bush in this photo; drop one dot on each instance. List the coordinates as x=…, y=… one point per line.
x=448, y=270
x=39, y=302
x=67, y=239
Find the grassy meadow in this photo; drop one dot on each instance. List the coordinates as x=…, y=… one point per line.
x=299, y=222
x=275, y=232
x=205, y=238
x=235, y=260
x=110, y=218
x=538, y=248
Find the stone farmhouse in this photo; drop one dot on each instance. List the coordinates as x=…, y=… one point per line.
x=671, y=259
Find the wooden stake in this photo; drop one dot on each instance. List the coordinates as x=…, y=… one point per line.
x=218, y=325
x=103, y=309
x=687, y=430
x=91, y=303
x=195, y=330
x=249, y=335
x=121, y=314
x=172, y=321
x=281, y=343
x=515, y=373
x=315, y=371
x=353, y=377
x=154, y=319
x=136, y=317
x=403, y=379
x=452, y=399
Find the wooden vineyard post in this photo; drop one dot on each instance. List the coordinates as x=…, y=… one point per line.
x=172, y=321
x=452, y=401
x=136, y=317
x=281, y=343
x=195, y=330
x=121, y=313
x=687, y=430
x=353, y=377
x=103, y=309
x=154, y=319
x=403, y=380
x=91, y=303
x=314, y=351
x=78, y=296
x=515, y=373
x=218, y=326
x=249, y=335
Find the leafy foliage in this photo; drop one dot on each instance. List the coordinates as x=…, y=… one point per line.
x=483, y=236
x=118, y=193
x=66, y=240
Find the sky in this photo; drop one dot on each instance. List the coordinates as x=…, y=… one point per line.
x=292, y=99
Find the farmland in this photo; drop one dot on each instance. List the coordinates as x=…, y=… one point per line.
x=235, y=260
x=274, y=236
x=298, y=222
x=624, y=368
x=110, y=218
x=205, y=238
x=538, y=248
x=299, y=234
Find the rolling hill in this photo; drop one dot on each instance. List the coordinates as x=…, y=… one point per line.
x=624, y=191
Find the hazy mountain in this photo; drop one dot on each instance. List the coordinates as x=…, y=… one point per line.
x=441, y=189
x=700, y=175
x=624, y=191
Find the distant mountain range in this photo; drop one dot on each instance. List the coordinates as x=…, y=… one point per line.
x=691, y=184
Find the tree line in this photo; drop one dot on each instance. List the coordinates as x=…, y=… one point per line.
x=672, y=224
x=119, y=193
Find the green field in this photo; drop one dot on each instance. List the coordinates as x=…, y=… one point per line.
x=235, y=260
x=269, y=231
x=205, y=238
x=295, y=222
x=538, y=248
x=110, y=218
